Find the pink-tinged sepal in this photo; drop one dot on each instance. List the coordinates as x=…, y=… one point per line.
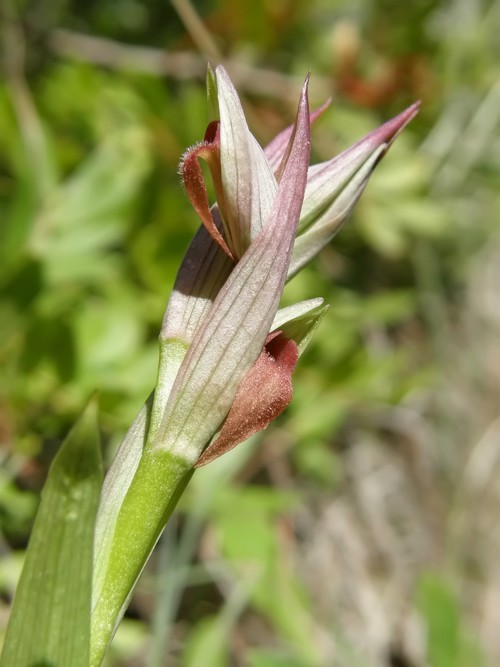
x=326, y=180
x=391, y=129
x=311, y=240
x=265, y=391
x=333, y=188
x=275, y=150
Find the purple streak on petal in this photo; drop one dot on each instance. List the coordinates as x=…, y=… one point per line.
x=234, y=330
x=277, y=148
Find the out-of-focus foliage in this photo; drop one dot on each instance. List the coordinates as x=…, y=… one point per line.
x=362, y=528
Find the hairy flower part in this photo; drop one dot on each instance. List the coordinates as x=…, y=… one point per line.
x=192, y=177
x=263, y=394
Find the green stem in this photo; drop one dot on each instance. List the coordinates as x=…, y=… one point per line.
x=153, y=494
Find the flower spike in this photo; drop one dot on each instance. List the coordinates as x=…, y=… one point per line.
x=233, y=332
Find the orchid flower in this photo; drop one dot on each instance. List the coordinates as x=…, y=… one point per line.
x=227, y=352
x=256, y=190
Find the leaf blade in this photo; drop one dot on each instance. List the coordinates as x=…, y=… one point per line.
x=50, y=619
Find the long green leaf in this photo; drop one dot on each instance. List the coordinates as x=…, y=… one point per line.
x=50, y=620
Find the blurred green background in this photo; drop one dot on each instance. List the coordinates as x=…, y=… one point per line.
x=363, y=528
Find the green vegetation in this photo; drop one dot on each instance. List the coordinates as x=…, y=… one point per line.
x=361, y=527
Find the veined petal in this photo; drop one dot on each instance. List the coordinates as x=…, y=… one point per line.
x=325, y=180
x=248, y=181
x=235, y=328
x=315, y=237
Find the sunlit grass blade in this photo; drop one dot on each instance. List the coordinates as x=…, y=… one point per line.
x=50, y=619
